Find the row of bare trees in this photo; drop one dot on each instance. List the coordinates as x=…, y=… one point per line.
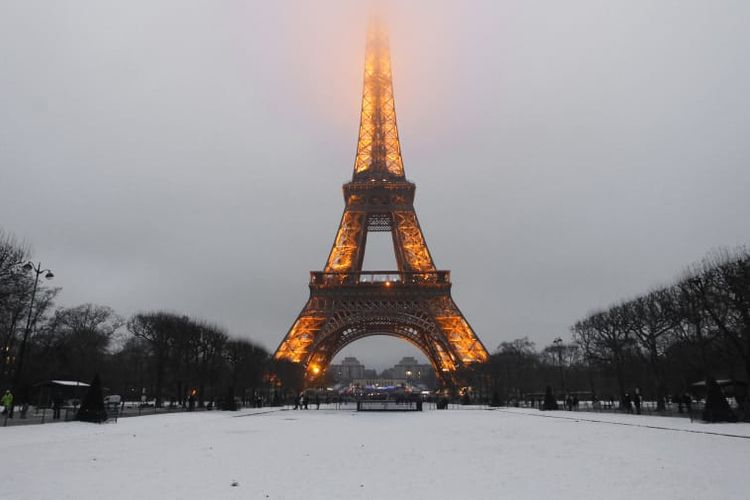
x=661, y=342
x=180, y=357
x=159, y=355
x=518, y=371
x=699, y=327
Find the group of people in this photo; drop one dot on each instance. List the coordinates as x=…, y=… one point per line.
x=684, y=402
x=571, y=402
x=629, y=402
x=301, y=402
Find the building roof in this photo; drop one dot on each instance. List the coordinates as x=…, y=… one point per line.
x=351, y=361
x=67, y=383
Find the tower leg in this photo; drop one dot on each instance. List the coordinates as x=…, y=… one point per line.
x=296, y=343
x=464, y=343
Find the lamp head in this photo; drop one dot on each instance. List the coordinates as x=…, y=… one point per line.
x=49, y=275
x=27, y=267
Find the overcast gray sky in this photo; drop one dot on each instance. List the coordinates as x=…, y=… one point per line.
x=189, y=155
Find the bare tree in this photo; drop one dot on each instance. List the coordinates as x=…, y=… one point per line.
x=211, y=343
x=513, y=365
x=77, y=340
x=693, y=323
x=563, y=355
x=586, y=337
x=15, y=292
x=724, y=293
x=158, y=330
x=649, y=321
x=611, y=340
x=246, y=362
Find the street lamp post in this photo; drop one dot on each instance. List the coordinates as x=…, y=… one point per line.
x=559, y=345
x=29, y=266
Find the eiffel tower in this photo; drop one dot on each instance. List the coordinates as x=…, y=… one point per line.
x=412, y=303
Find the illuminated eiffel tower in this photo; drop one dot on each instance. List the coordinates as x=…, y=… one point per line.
x=412, y=303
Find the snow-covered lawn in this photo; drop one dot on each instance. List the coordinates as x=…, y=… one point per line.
x=456, y=454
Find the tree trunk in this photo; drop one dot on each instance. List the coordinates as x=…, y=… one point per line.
x=620, y=376
x=159, y=381
x=590, y=373
x=659, y=384
x=201, y=393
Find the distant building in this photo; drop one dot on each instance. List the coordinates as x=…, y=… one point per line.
x=413, y=371
x=407, y=371
x=349, y=369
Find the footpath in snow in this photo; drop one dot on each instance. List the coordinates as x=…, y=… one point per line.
x=684, y=424
x=316, y=454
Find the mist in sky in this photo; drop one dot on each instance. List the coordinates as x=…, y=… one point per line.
x=189, y=155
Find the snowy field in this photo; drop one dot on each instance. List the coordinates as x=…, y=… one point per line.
x=456, y=454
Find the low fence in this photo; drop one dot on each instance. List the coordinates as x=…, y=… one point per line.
x=42, y=415
x=46, y=415
x=671, y=409
x=33, y=415
x=351, y=405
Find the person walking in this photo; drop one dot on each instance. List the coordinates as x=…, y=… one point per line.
x=7, y=402
x=637, y=400
x=56, y=405
x=687, y=400
x=627, y=403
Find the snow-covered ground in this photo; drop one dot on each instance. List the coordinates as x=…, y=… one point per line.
x=456, y=454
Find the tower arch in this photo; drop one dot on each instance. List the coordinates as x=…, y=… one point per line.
x=419, y=332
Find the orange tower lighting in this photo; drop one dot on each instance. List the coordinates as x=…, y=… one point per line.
x=412, y=303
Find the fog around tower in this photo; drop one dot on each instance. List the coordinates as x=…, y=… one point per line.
x=189, y=156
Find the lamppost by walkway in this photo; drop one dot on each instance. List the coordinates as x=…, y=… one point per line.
x=559, y=345
x=29, y=266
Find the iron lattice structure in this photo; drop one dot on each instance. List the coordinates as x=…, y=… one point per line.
x=412, y=303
